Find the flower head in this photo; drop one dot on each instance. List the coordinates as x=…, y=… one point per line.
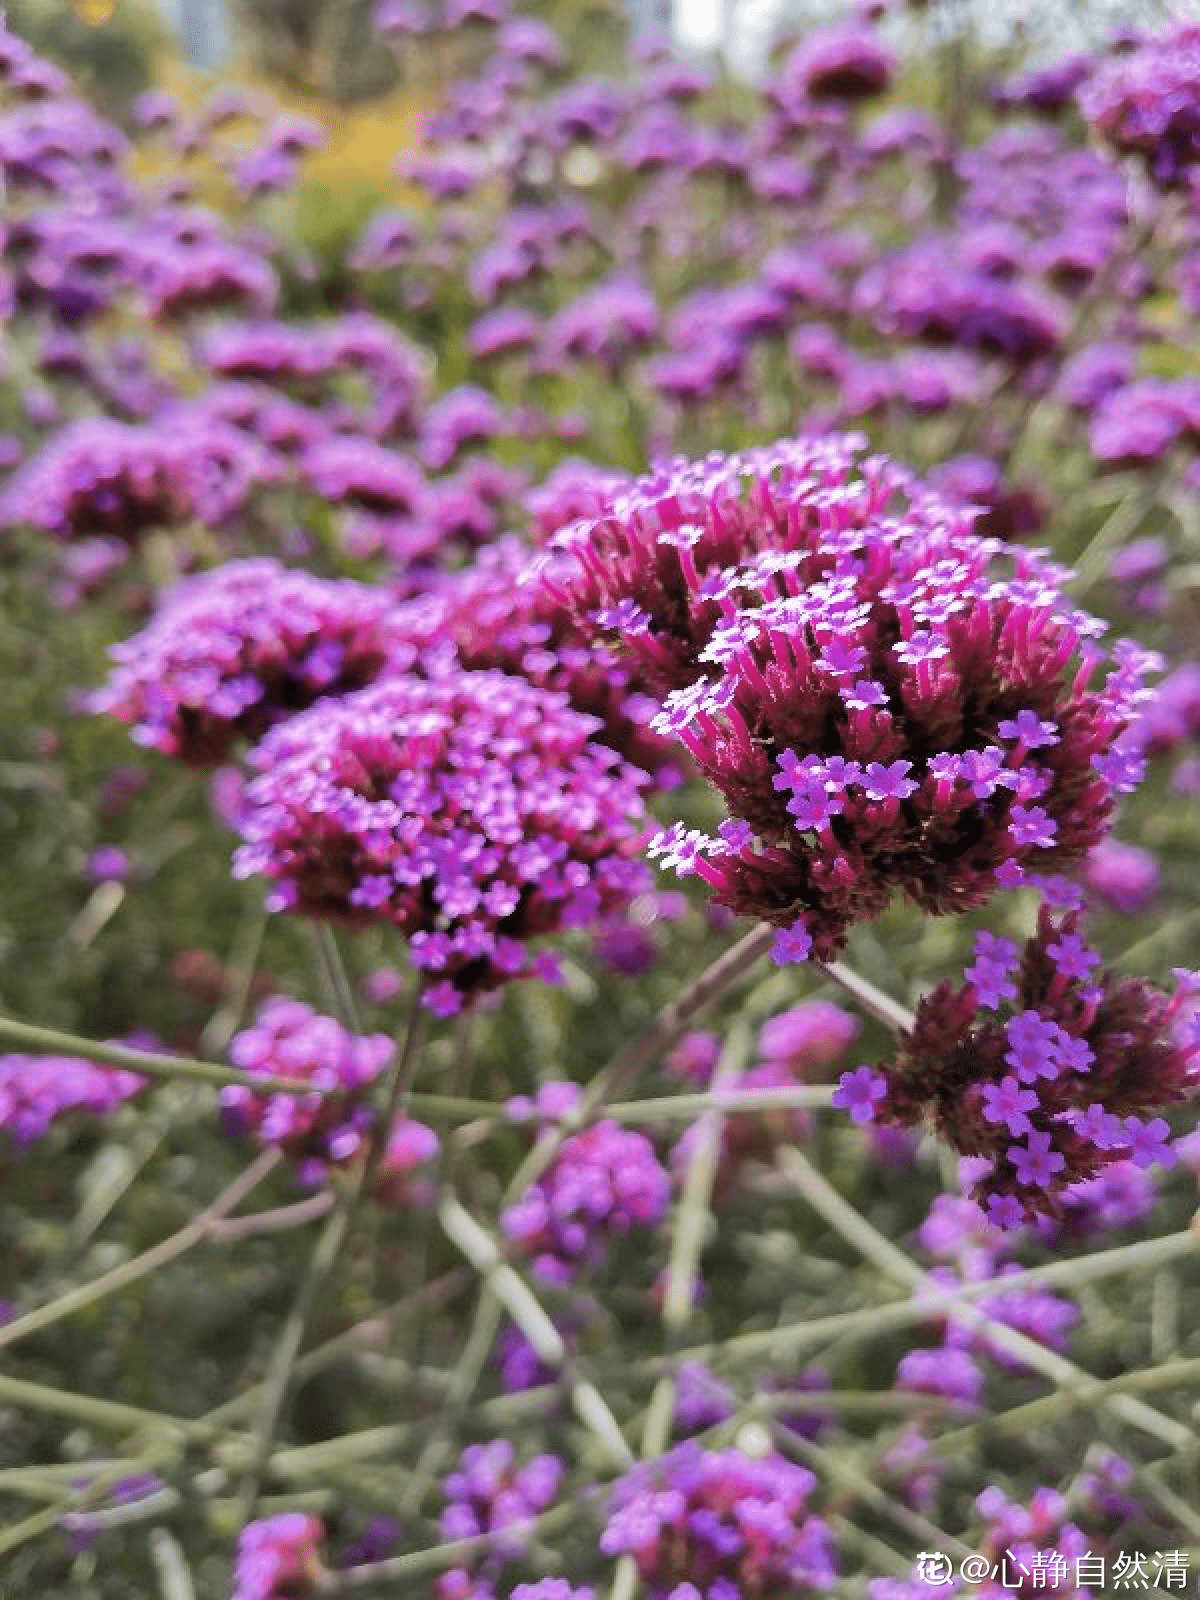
x=720, y=1523
x=231, y=652
x=773, y=589
x=1053, y=1085
x=472, y=812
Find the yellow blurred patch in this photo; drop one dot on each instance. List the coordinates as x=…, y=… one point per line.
x=94, y=12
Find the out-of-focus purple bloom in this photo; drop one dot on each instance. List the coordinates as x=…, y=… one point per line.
x=603, y=1182
x=1123, y=875
x=718, y=1522
x=277, y=1556
x=490, y=1494
x=231, y=652
x=1146, y=102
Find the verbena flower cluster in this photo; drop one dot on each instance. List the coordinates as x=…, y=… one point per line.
x=488, y=1493
x=708, y=1524
x=885, y=701
x=35, y=1091
x=472, y=812
x=290, y=1040
x=1147, y=103
x=231, y=652
x=603, y=1182
x=1044, y=1063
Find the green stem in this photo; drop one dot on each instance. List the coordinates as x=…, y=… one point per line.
x=200, y=1228
x=335, y=978
x=324, y=1259
x=881, y=1006
x=174, y=1574
x=50, y=1041
x=884, y=1254
x=434, y=1559
x=687, y=1242
x=523, y=1306
x=687, y=1107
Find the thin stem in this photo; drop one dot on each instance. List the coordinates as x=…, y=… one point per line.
x=51, y=1041
x=888, y=1011
x=276, y=1220
x=243, y=962
x=174, y=1574
x=324, y=1258
x=641, y=1052
x=688, y=1241
x=87, y=1408
x=200, y=1228
x=686, y=1107
x=334, y=975
x=523, y=1306
x=882, y=1253
x=434, y=1559
x=836, y=1468
x=891, y=1316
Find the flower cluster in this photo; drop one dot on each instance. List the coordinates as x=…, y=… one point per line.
x=1146, y=103
x=717, y=1523
x=602, y=1182
x=98, y=477
x=36, y=1090
x=1041, y=1063
x=490, y=1494
x=231, y=652
x=491, y=618
x=473, y=812
x=277, y=1557
x=289, y=1040
x=885, y=701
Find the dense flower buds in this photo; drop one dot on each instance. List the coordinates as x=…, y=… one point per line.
x=36, y=1090
x=1043, y=1064
x=602, y=1183
x=231, y=652
x=289, y=1040
x=1147, y=103
x=100, y=477
x=490, y=1494
x=474, y=813
x=277, y=1557
x=885, y=700
x=720, y=1523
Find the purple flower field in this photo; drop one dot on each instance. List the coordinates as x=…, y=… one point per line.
x=599, y=792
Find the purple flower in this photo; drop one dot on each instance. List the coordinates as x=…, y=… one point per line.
x=479, y=798
x=1076, y=1071
x=859, y=1092
x=1035, y=1163
x=275, y=1554
x=232, y=652
x=1123, y=875
x=720, y=1523
x=808, y=1037
x=36, y=1090
x=1149, y=1142
x=1146, y=102
x=949, y=1373
x=603, y=1182
x=889, y=782
x=1008, y=1103
x=735, y=564
x=490, y=1494
x=791, y=944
